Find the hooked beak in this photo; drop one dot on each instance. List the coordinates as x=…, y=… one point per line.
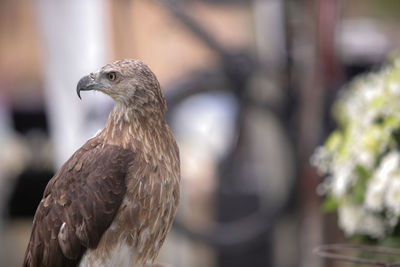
x=87, y=83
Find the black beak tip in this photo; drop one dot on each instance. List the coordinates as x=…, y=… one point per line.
x=78, y=91
x=83, y=85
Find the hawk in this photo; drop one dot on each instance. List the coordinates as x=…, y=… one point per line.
x=113, y=202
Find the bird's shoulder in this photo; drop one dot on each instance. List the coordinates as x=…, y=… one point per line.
x=94, y=159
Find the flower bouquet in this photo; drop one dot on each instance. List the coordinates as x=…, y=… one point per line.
x=361, y=158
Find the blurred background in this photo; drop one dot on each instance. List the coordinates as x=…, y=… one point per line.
x=249, y=86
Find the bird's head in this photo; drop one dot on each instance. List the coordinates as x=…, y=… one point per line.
x=129, y=82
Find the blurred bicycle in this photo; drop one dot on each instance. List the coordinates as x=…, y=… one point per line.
x=222, y=123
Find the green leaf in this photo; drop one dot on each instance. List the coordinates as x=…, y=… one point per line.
x=362, y=172
x=358, y=191
x=330, y=204
x=392, y=121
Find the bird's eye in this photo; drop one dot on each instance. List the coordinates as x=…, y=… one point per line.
x=111, y=76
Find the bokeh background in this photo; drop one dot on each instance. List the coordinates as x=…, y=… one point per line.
x=249, y=86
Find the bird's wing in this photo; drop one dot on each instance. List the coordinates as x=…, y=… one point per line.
x=78, y=205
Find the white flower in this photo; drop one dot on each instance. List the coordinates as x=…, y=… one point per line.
x=366, y=158
x=392, y=197
x=377, y=185
x=370, y=93
x=321, y=159
x=342, y=178
x=388, y=165
x=374, y=196
x=372, y=225
x=394, y=88
x=354, y=219
x=350, y=218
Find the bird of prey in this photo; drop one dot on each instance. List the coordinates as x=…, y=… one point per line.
x=113, y=202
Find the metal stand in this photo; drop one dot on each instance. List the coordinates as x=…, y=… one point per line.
x=337, y=252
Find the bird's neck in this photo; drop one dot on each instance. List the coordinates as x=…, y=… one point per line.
x=131, y=128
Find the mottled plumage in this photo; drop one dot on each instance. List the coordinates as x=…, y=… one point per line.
x=113, y=202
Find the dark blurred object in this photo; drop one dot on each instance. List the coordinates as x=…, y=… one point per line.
x=235, y=206
x=28, y=192
x=31, y=182
x=363, y=46
x=26, y=120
